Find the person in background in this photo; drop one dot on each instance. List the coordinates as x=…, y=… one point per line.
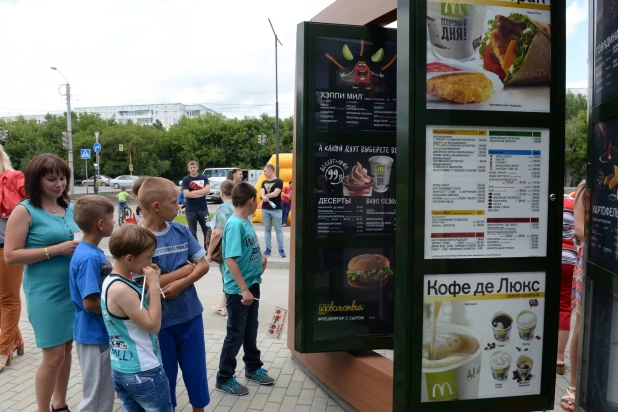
x=195, y=187
x=122, y=200
x=42, y=238
x=12, y=191
x=286, y=203
x=271, y=209
x=567, y=402
x=237, y=176
x=89, y=267
x=222, y=214
x=569, y=257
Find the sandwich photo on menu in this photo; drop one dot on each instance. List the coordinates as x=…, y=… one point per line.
x=368, y=271
x=517, y=49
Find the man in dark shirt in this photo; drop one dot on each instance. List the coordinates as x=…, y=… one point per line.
x=195, y=187
x=271, y=209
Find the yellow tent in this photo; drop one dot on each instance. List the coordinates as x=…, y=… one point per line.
x=285, y=174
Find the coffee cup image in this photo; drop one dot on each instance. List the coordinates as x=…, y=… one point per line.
x=501, y=324
x=500, y=363
x=380, y=171
x=524, y=366
x=526, y=324
x=452, y=369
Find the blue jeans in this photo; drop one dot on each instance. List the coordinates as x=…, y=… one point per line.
x=147, y=391
x=270, y=218
x=121, y=206
x=183, y=344
x=198, y=216
x=242, y=329
x=285, y=210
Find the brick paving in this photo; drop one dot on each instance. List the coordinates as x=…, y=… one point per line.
x=293, y=391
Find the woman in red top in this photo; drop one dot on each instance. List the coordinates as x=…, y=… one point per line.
x=11, y=193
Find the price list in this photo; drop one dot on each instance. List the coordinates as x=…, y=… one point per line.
x=355, y=190
x=486, y=192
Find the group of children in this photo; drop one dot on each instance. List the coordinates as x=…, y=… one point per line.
x=140, y=319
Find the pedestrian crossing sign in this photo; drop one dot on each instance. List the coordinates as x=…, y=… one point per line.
x=85, y=154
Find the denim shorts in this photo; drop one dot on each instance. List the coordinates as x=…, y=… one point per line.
x=147, y=391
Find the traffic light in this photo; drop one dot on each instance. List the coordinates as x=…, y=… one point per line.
x=65, y=140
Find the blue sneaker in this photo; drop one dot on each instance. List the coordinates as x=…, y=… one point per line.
x=232, y=387
x=267, y=252
x=282, y=253
x=260, y=377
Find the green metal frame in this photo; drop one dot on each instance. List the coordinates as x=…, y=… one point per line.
x=306, y=137
x=413, y=117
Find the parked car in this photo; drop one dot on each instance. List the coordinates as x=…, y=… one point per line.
x=215, y=194
x=103, y=181
x=123, y=181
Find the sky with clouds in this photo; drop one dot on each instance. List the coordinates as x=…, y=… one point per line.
x=217, y=53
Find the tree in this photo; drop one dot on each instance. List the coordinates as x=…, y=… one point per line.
x=576, y=136
x=158, y=125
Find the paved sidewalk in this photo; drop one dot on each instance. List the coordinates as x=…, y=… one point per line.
x=293, y=391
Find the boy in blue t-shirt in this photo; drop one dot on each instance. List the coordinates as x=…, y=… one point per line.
x=182, y=262
x=89, y=268
x=242, y=271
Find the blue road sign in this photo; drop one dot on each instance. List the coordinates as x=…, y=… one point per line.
x=97, y=147
x=85, y=154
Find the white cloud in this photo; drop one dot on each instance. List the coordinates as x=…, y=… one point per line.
x=583, y=84
x=576, y=13
x=218, y=53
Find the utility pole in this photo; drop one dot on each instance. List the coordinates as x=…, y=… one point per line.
x=276, y=99
x=69, y=130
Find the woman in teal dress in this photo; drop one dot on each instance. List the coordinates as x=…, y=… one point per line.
x=39, y=235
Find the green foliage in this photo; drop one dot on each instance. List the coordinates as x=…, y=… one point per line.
x=576, y=137
x=212, y=140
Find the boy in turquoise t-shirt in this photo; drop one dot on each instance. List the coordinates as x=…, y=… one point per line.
x=243, y=266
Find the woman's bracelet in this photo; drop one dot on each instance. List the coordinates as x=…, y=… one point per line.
x=47, y=255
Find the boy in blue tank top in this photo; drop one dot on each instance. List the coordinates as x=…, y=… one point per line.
x=182, y=262
x=132, y=323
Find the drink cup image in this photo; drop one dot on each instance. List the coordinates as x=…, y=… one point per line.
x=500, y=363
x=524, y=366
x=455, y=29
x=78, y=237
x=380, y=170
x=451, y=370
x=501, y=324
x=526, y=324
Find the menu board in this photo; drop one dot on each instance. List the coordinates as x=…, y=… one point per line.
x=354, y=293
x=482, y=335
x=603, y=229
x=486, y=192
x=355, y=189
x=605, y=51
x=488, y=55
x=355, y=85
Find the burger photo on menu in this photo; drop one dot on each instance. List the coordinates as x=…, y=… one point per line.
x=368, y=271
x=358, y=182
x=485, y=57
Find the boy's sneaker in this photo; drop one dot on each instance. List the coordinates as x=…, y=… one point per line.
x=267, y=252
x=282, y=253
x=261, y=377
x=233, y=387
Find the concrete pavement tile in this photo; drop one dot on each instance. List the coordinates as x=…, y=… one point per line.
x=26, y=377
x=241, y=405
x=24, y=403
x=289, y=403
x=278, y=363
x=283, y=353
x=259, y=400
x=299, y=376
x=283, y=381
x=222, y=409
x=6, y=387
x=274, y=372
x=319, y=393
x=302, y=408
x=25, y=369
x=182, y=401
x=294, y=389
x=228, y=400
x=288, y=368
x=267, y=389
x=306, y=397
x=277, y=395
x=319, y=404
x=269, y=356
x=333, y=409
x=23, y=394
x=271, y=407
x=309, y=383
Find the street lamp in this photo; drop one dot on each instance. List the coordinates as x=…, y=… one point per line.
x=69, y=130
x=276, y=98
